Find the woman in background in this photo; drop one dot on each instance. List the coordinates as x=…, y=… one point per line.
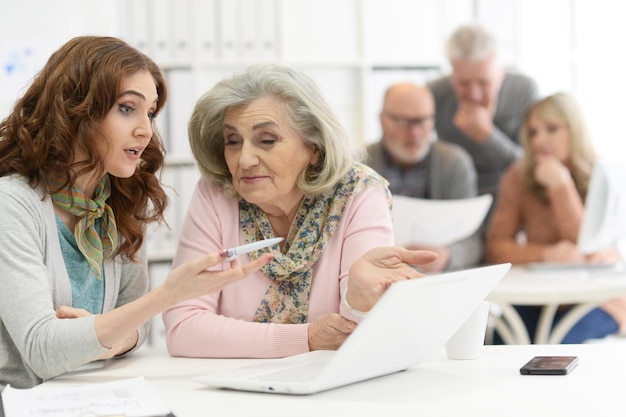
x=78, y=157
x=543, y=195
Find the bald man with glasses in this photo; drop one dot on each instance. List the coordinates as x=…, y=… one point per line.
x=418, y=165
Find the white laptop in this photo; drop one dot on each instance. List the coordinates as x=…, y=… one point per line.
x=409, y=324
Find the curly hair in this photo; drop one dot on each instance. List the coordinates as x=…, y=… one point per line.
x=62, y=110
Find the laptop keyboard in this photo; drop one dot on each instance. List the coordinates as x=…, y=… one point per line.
x=297, y=373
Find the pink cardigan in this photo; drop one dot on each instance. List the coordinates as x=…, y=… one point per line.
x=219, y=325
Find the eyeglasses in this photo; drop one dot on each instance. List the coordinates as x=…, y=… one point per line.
x=408, y=123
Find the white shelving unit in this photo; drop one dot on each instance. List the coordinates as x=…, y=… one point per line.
x=344, y=45
x=352, y=48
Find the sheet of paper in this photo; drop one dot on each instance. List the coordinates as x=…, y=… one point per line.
x=133, y=397
x=437, y=222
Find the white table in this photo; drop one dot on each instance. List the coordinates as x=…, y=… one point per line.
x=521, y=286
x=491, y=386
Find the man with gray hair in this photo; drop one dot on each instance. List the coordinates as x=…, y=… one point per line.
x=480, y=106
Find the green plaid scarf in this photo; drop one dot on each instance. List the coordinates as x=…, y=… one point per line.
x=92, y=246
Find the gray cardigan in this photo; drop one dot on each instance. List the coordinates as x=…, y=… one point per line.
x=34, y=345
x=451, y=176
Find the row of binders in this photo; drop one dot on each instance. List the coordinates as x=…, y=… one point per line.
x=178, y=32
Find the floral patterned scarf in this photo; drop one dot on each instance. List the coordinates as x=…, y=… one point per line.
x=287, y=297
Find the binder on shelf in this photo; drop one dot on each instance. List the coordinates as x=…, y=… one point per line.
x=161, y=122
x=229, y=14
x=162, y=239
x=258, y=29
x=267, y=29
x=179, y=179
x=135, y=24
x=320, y=31
x=188, y=177
x=204, y=29
x=159, y=30
x=181, y=31
x=249, y=38
x=180, y=106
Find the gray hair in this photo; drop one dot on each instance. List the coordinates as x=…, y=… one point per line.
x=471, y=43
x=307, y=112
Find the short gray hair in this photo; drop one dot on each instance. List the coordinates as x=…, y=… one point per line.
x=307, y=112
x=471, y=42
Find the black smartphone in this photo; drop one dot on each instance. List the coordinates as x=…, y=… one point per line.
x=549, y=365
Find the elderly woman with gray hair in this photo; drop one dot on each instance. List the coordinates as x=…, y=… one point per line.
x=275, y=162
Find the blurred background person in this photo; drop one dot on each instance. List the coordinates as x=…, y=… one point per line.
x=480, y=105
x=542, y=196
x=417, y=165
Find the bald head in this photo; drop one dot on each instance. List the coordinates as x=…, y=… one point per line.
x=409, y=99
x=407, y=121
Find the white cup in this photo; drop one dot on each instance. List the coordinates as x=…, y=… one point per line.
x=468, y=341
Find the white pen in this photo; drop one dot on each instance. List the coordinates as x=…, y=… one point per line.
x=232, y=253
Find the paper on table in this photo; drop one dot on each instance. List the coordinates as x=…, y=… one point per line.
x=437, y=222
x=133, y=397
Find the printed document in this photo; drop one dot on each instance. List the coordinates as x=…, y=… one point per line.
x=133, y=397
x=437, y=222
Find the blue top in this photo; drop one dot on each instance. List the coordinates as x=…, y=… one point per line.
x=87, y=290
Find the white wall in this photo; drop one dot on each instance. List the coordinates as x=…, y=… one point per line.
x=32, y=29
x=600, y=62
x=571, y=45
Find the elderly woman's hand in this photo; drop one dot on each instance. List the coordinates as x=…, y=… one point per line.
x=380, y=267
x=329, y=332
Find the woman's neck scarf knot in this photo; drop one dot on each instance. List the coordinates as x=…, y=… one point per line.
x=287, y=297
x=94, y=247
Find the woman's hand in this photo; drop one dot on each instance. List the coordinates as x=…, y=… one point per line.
x=443, y=258
x=551, y=173
x=122, y=346
x=562, y=251
x=380, y=267
x=186, y=281
x=65, y=312
x=608, y=256
x=193, y=279
x=329, y=332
